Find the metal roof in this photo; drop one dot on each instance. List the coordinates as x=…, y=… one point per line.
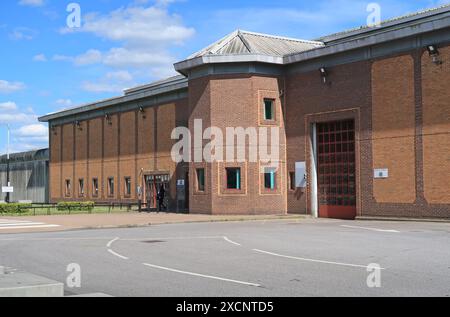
x=36, y=155
x=244, y=42
x=384, y=24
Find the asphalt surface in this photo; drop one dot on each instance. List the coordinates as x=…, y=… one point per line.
x=261, y=258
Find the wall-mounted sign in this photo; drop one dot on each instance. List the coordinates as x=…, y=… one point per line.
x=180, y=182
x=381, y=173
x=7, y=189
x=300, y=174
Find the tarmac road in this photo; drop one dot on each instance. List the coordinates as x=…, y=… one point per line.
x=310, y=257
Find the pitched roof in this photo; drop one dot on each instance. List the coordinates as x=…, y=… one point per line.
x=244, y=42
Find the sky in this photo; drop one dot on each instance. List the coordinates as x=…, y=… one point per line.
x=47, y=66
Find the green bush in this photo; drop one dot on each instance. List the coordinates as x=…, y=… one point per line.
x=76, y=206
x=14, y=208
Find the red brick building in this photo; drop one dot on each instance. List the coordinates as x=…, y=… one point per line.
x=366, y=112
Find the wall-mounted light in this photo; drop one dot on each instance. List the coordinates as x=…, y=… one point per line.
x=323, y=74
x=434, y=54
x=142, y=112
x=78, y=124
x=108, y=119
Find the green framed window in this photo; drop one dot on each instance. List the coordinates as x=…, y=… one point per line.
x=270, y=178
x=81, y=187
x=269, y=109
x=233, y=178
x=95, y=187
x=111, y=186
x=201, y=179
x=127, y=186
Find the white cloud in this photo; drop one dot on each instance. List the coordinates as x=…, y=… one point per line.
x=31, y=131
x=8, y=106
x=151, y=25
x=11, y=114
x=145, y=35
x=90, y=57
x=17, y=118
x=123, y=76
x=29, y=137
x=124, y=57
x=64, y=102
x=40, y=58
x=32, y=3
x=22, y=33
x=112, y=82
x=7, y=87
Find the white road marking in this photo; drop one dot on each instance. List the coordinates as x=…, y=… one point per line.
x=372, y=229
x=232, y=242
x=118, y=255
x=10, y=221
x=29, y=227
x=312, y=260
x=111, y=242
x=11, y=224
x=201, y=275
x=174, y=238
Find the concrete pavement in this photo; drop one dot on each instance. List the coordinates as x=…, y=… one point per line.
x=114, y=220
x=308, y=257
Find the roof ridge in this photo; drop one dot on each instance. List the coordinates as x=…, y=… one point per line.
x=400, y=17
x=281, y=37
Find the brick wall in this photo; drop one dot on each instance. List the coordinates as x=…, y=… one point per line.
x=127, y=144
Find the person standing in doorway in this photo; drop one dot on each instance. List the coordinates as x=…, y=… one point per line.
x=161, y=197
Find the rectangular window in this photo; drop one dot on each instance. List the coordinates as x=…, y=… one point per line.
x=81, y=187
x=269, y=109
x=68, y=187
x=95, y=187
x=128, y=186
x=269, y=178
x=111, y=186
x=292, y=181
x=201, y=179
x=233, y=178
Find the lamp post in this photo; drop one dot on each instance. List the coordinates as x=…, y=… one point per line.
x=8, y=181
x=7, y=199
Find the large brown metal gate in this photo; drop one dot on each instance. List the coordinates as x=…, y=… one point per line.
x=336, y=169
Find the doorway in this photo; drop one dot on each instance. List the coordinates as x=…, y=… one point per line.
x=153, y=183
x=336, y=169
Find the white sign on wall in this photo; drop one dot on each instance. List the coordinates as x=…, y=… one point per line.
x=7, y=189
x=381, y=173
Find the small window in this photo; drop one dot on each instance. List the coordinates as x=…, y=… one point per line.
x=233, y=178
x=269, y=109
x=269, y=178
x=111, y=186
x=127, y=186
x=292, y=181
x=201, y=179
x=68, y=187
x=81, y=187
x=95, y=187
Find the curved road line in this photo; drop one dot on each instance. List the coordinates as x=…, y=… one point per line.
x=232, y=242
x=109, y=244
x=200, y=275
x=312, y=260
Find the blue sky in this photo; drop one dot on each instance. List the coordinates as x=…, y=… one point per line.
x=46, y=67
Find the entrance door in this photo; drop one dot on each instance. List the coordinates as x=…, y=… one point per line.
x=152, y=185
x=336, y=169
